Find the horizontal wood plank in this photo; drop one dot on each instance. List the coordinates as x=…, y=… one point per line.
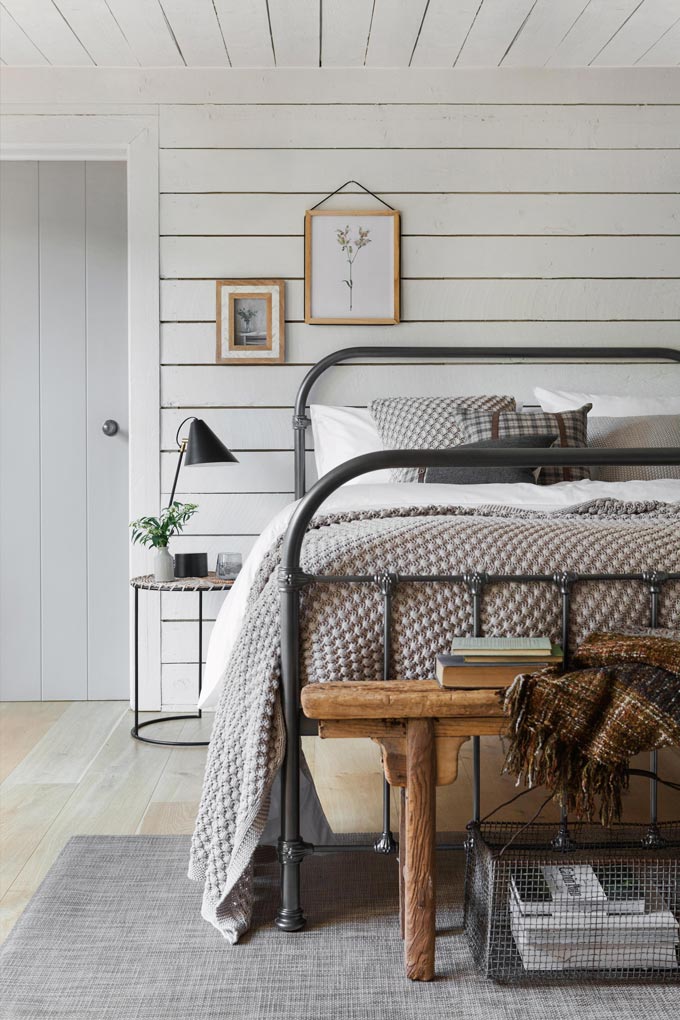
x=338, y=85
x=180, y=641
x=28, y=810
x=255, y=472
x=275, y=170
x=22, y=725
x=179, y=684
x=232, y=513
x=423, y=214
x=196, y=300
x=477, y=300
x=204, y=385
x=193, y=343
x=242, y=428
x=423, y=126
x=68, y=749
x=437, y=257
x=184, y=605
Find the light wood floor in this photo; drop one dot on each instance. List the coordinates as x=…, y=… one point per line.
x=71, y=768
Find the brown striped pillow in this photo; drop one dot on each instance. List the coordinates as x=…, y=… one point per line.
x=570, y=426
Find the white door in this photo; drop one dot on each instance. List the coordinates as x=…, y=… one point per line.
x=63, y=482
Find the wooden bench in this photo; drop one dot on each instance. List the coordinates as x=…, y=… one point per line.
x=420, y=728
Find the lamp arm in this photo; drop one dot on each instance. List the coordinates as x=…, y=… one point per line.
x=182, y=448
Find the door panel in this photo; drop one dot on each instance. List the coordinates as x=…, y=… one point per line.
x=19, y=434
x=64, y=535
x=63, y=405
x=107, y=457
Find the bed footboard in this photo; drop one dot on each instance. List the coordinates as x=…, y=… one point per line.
x=292, y=849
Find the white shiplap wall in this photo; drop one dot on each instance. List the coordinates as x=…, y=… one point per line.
x=521, y=224
x=538, y=207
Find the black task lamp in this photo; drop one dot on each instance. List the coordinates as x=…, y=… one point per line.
x=201, y=446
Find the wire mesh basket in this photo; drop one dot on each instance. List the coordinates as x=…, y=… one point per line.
x=604, y=906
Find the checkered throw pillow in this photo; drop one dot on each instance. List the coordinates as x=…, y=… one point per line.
x=570, y=426
x=427, y=423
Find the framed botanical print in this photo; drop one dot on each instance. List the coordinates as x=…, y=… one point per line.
x=352, y=270
x=250, y=322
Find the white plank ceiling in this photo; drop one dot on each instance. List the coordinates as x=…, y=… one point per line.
x=340, y=33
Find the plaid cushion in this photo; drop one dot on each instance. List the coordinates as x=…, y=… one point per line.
x=427, y=423
x=570, y=426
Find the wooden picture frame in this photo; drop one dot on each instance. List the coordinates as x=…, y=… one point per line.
x=334, y=239
x=250, y=319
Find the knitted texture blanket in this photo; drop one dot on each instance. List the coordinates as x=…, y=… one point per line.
x=575, y=733
x=341, y=636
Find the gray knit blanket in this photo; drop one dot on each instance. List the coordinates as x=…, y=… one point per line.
x=341, y=635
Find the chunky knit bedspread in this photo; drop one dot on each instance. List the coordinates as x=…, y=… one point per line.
x=342, y=637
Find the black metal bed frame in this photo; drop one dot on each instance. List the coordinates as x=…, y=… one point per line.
x=292, y=849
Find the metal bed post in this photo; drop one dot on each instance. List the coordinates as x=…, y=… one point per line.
x=291, y=848
x=475, y=583
x=385, y=842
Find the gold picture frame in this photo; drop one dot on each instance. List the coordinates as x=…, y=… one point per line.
x=334, y=240
x=250, y=320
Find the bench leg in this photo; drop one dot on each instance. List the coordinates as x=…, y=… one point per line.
x=402, y=858
x=419, y=885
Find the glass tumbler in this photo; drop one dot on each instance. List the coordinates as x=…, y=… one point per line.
x=228, y=565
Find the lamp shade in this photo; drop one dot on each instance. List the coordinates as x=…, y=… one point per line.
x=203, y=446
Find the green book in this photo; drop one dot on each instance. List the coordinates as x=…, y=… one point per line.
x=500, y=646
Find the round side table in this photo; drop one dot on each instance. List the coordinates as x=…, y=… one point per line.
x=189, y=584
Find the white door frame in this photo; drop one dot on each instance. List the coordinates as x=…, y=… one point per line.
x=133, y=138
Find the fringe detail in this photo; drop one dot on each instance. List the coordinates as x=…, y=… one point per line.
x=538, y=757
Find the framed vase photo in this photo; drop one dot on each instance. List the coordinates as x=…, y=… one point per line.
x=352, y=272
x=250, y=322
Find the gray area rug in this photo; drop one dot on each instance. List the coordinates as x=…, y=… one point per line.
x=115, y=932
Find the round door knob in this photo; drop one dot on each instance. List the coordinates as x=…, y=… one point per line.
x=110, y=427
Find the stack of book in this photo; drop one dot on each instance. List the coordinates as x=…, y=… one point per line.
x=493, y=662
x=572, y=917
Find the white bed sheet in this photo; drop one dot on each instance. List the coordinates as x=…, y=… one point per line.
x=363, y=497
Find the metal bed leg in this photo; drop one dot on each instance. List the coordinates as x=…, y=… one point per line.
x=563, y=840
x=385, y=842
x=475, y=583
x=476, y=780
x=291, y=848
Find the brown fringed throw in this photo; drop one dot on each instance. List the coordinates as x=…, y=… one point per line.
x=575, y=733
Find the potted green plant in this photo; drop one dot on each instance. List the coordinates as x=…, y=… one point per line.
x=157, y=532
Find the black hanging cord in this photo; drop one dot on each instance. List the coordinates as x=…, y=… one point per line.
x=363, y=188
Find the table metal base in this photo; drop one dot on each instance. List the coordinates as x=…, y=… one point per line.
x=134, y=732
x=167, y=743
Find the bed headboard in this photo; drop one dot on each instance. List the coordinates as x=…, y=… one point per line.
x=533, y=354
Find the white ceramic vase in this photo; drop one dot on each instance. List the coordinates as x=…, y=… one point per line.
x=163, y=565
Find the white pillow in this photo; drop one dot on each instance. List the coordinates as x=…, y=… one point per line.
x=341, y=433
x=606, y=405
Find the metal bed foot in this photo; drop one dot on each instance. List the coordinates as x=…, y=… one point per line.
x=291, y=853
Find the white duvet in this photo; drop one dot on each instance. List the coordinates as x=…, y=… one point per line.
x=362, y=497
